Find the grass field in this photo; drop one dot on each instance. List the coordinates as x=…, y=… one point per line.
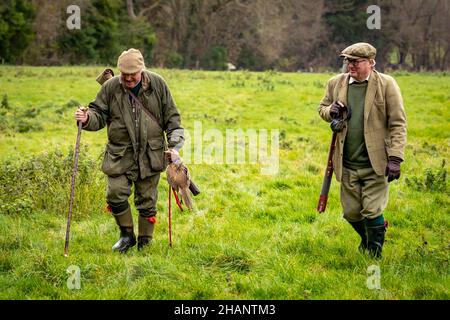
x=252, y=236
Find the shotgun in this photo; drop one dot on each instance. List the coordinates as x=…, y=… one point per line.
x=337, y=125
x=327, y=177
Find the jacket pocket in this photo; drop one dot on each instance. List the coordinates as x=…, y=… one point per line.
x=155, y=152
x=117, y=159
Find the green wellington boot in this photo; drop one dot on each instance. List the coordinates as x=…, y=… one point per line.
x=146, y=228
x=127, y=238
x=360, y=228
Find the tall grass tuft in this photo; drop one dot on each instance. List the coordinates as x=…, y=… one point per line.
x=43, y=181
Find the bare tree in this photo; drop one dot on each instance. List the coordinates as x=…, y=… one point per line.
x=283, y=34
x=131, y=13
x=422, y=39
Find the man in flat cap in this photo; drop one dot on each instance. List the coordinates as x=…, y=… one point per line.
x=370, y=145
x=140, y=115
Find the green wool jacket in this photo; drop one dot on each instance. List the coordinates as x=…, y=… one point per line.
x=136, y=146
x=384, y=119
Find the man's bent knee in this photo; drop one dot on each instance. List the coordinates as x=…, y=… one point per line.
x=119, y=207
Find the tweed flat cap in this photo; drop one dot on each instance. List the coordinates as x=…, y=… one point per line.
x=359, y=50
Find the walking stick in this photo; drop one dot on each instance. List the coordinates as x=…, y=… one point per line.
x=170, y=216
x=72, y=190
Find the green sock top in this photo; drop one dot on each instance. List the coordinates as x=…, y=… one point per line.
x=378, y=221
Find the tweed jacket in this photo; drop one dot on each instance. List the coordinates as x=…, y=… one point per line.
x=384, y=119
x=135, y=140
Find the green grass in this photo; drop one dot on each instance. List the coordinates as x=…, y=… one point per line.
x=251, y=236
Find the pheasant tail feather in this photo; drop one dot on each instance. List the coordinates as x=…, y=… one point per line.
x=186, y=198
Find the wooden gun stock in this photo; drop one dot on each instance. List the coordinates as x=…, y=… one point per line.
x=321, y=206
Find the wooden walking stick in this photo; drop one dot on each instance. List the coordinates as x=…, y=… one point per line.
x=72, y=190
x=170, y=216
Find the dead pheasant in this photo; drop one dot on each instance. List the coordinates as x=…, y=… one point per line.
x=178, y=178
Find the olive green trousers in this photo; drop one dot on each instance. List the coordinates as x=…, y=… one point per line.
x=118, y=190
x=364, y=194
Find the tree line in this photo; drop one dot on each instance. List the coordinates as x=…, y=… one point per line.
x=287, y=35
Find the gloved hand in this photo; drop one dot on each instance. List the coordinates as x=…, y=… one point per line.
x=393, y=168
x=335, y=109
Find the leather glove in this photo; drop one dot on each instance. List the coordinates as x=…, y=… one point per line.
x=393, y=168
x=335, y=109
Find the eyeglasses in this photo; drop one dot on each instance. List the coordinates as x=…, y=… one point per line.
x=353, y=61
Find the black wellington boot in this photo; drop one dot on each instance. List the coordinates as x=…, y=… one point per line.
x=126, y=241
x=360, y=228
x=375, y=239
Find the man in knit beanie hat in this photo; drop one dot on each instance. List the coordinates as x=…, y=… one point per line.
x=139, y=111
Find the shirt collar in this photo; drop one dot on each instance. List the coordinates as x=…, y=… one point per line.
x=351, y=79
x=145, y=82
